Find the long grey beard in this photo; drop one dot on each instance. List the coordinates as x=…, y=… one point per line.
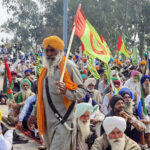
x=26, y=94
x=146, y=90
x=116, y=145
x=51, y=64
x=143, y=69
x=129, y=107
x=84, y=129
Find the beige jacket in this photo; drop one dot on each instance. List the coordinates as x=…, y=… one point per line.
x=101, y=143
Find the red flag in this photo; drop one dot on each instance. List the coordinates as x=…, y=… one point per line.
x=122, y=48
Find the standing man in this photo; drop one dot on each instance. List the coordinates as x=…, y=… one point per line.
x=55, y=105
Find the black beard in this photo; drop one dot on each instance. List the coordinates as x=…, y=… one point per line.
x=120, y=109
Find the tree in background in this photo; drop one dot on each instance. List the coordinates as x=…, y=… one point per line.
x=33, y=20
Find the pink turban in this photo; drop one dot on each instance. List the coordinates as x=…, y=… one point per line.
x=134, y=72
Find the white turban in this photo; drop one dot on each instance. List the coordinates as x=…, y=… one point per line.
x=90, y=81
x=82, y=108
x=110, y=123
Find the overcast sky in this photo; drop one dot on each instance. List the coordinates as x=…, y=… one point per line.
x=3, y=17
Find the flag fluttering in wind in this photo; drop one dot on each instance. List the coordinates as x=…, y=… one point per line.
x=91, y=42
x=105, y=44
x=7, y=84
x=122, y=48
x=92, y=68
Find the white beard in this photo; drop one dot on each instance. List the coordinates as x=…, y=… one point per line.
x=143, y=69
x=26, y=94
x=90, y=90
x=51, y=64
x=129, y=107
x=84, y=129
x=116, y=145
x=146, y=89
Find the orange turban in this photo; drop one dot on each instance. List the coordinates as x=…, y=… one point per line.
x=54, y=41
x=143, y=62
x=118, y=62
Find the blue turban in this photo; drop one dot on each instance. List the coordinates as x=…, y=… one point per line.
x=28, y=70
x=124, y=91
x=82, y=108
x=144, y=78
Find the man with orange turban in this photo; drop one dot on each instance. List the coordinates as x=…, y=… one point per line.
x=143, y=67
x=56, y=100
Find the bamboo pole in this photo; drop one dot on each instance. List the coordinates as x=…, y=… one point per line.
x=67, y=55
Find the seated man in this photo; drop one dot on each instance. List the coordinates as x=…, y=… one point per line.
x=114, y=139
x=134, y=127
x=106, y=100
x=19, y=101
x=85, y=134
x=16, y=82
x=128, y=100
x=26, y=112
x=95, y=94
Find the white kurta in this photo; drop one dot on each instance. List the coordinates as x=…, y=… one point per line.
x=134, y=88
x=6, y=140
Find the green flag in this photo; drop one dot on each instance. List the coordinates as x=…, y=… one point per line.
x=91, y=42
x=92, y=68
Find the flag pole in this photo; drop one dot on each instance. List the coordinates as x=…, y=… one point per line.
x=67, y=55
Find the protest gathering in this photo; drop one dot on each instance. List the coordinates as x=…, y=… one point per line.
x=58, y=97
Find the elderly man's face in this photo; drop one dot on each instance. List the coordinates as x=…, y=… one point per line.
x=135, y=78
x=119, y=106
x=115, y=135
x=25, y=86
x=128, y=63
x=85, y=117
x=127, y=98
x=91, y=86
x=146, y=82
x=27, y=74
x=51, y=53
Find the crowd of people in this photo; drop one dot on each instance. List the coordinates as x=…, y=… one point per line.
x=79, y=112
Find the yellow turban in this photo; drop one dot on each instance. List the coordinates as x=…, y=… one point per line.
x=0, y=115
x=54, y=41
